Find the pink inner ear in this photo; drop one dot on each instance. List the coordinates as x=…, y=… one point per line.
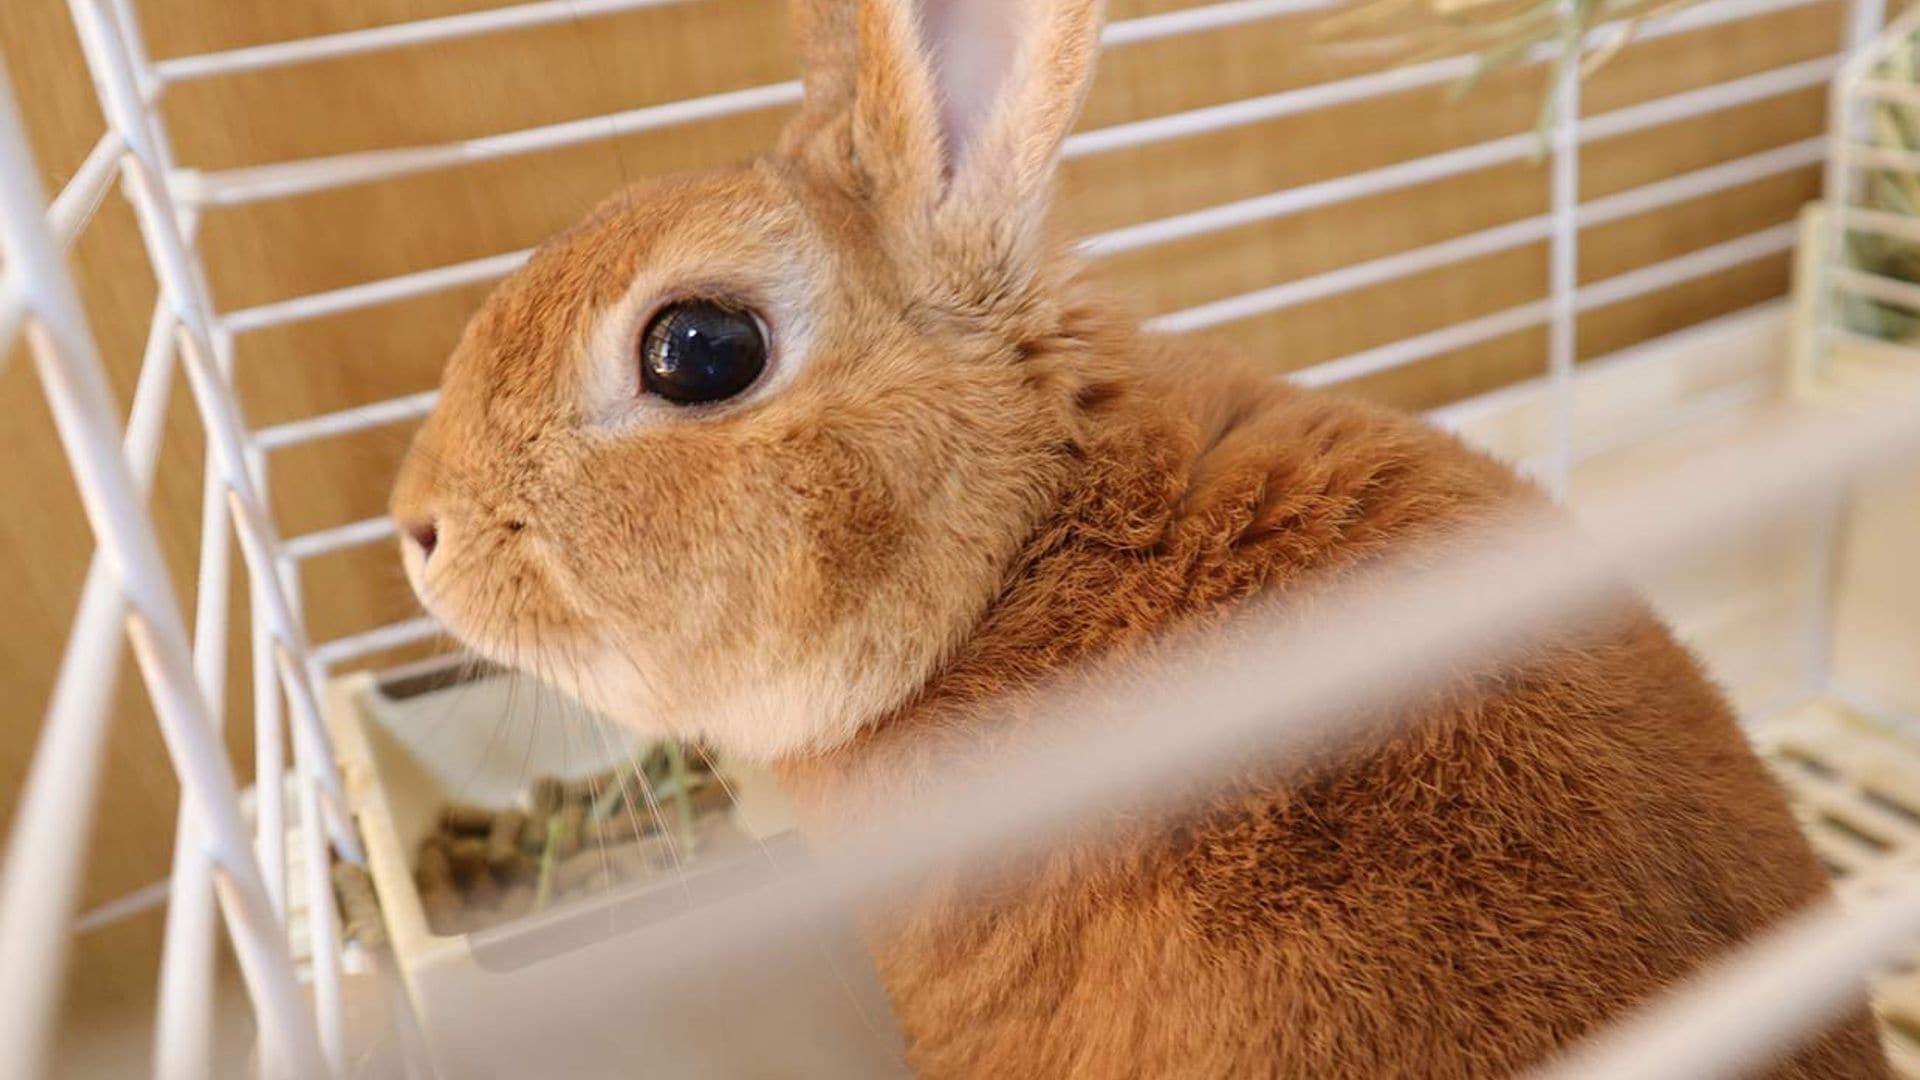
x=972, y=45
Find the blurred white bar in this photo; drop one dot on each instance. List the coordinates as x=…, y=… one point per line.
x=1745, y=1013
x=340, y=537
x=1516, y=234
x=74, y=207
x=392, y=636
x=347, y=421
x=392, y=36
x=1276, y=691
x=1563, y=268
x=371, y=293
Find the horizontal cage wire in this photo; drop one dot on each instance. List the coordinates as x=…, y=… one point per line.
x=262, y=860
x=285, y=180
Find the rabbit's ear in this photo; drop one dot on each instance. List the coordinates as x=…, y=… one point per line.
x=869, y=117
x=823, y=35
x=953, y=110
x=1011, y=75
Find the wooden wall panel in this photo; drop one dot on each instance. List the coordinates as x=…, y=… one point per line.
x=275, y=250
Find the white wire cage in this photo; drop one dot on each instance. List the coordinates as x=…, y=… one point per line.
x=232, y=857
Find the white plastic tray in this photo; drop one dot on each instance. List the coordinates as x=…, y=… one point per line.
x=816, y=1012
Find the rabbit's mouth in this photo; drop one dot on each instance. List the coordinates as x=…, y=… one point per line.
x=487, y=592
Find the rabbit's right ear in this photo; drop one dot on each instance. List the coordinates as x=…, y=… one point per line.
x=948, y=116
x=823, y=35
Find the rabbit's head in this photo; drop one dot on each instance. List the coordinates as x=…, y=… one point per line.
x=745, y=454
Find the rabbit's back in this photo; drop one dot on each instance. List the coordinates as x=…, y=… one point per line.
x=1538, y=848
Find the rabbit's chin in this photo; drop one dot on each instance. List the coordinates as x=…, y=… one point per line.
x=777, y=712
x=755, y=708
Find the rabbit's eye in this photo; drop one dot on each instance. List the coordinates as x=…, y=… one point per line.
x=698, y=351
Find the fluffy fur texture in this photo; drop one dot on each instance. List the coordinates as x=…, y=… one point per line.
x=967, y=473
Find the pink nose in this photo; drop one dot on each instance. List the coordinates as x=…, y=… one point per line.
x=426, y=535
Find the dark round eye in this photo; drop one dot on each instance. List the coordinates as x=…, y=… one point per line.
x=698, y=351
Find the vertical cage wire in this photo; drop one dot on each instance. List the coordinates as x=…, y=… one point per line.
x=1563, y=252
x=1849, y=130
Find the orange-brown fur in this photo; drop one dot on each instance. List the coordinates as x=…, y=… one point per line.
x=968, y=473
x=1545, y=844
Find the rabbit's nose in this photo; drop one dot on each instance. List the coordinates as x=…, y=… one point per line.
x=426, y=534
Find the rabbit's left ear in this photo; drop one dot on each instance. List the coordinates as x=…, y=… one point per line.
x=1011, y=76
x=954, y=111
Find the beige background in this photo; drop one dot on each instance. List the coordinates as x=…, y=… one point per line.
x=282, y=249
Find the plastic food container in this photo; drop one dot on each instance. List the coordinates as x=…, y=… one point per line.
x=813, y=1007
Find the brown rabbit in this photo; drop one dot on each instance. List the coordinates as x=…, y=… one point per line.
x=816, y=456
